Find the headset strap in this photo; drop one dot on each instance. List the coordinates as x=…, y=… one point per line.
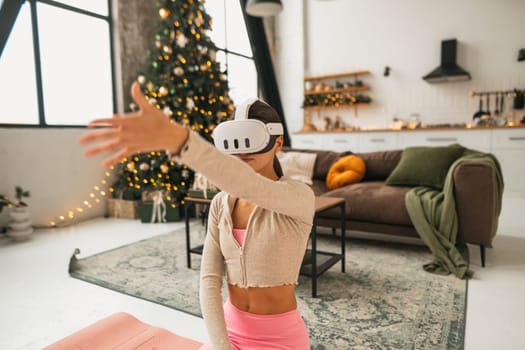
x=241, y=112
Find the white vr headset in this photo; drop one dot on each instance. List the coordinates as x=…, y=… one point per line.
x=242, y=135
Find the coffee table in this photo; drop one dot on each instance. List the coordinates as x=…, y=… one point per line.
x=317, y=262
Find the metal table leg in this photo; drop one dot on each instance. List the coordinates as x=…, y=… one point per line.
x=314, y=258
x=343, y=237
x=187, y=222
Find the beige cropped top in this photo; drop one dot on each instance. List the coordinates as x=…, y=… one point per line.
x=276, y=234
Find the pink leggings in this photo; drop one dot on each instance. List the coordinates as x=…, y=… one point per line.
x=285, y=331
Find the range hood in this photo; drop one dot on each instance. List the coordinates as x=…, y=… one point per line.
x=448, y=71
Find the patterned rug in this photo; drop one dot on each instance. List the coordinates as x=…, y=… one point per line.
x=384, y=300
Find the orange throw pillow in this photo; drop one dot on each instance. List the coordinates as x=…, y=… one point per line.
x=346, y=170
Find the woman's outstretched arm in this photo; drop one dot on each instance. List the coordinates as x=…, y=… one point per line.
x=126, y=134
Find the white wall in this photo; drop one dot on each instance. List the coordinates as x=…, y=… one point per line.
x=342, y=35
x=288, y=61
x=50, y=164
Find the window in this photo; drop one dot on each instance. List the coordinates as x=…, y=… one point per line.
x=56, y=67
x=235, y=54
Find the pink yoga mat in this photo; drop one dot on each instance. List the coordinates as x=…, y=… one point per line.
x=121, y=331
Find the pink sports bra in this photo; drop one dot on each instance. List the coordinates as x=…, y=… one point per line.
x=238, y=234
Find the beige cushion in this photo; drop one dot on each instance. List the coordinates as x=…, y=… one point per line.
x=298, y=165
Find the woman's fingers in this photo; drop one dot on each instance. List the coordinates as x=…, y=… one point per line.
x=110, y=146
x=115, y=121
x=139, y=97
x=124, y=133
x=123, y=153
x=98, y=136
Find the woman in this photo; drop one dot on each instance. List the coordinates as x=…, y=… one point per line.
x=258, y=225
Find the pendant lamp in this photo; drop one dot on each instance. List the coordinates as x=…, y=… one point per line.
x=263, y=8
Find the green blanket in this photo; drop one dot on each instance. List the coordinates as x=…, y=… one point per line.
x=433, y=214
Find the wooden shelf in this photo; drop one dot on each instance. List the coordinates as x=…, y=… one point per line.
x=321, y=79
x=333, y=91
x=337, y=75
x=317, y=108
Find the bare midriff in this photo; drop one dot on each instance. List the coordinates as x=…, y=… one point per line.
x=263, y=300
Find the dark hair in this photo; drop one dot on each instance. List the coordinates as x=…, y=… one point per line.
x=264, y=112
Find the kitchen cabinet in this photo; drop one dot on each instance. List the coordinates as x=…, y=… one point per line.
x=308, y=141
x=377, y=141
x=508, y=146
x=341, y=142
x=475, y=139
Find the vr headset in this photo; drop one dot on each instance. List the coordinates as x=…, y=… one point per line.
x=246, y=136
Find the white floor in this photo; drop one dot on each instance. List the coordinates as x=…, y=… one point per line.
x=40, y=303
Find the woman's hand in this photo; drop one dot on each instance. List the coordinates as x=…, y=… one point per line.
x=126, y=134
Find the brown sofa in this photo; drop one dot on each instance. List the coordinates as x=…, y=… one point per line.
x=372, y=206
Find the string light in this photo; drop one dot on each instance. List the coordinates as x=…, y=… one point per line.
x=70, y=214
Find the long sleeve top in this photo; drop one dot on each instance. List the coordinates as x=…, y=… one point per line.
x=276, y=234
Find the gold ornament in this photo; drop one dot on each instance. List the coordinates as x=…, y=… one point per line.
x=198, y=21
x=189, y=104
x=204, y=67
x=130, y=166
x=167, y=111
x=182, y=40
x=178, y=71
x=181, y=59
x=167, y=49
x=163, y=91
x=164, y=13
x=164, y=168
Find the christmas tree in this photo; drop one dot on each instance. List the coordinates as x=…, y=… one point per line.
x=185, y=81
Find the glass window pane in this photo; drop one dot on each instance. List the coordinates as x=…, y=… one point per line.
x=97, y=6
x=18, y=96
x=76, y=66
x=236, y=33
x=242, y=78
x=215, y=8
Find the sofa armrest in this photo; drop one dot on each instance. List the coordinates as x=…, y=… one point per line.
x=475, y=195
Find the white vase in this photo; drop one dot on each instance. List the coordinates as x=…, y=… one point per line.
x=19, y=227
x=19, y=214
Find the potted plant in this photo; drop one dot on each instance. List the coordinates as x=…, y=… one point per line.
x=4, y=202
x=19, y=227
